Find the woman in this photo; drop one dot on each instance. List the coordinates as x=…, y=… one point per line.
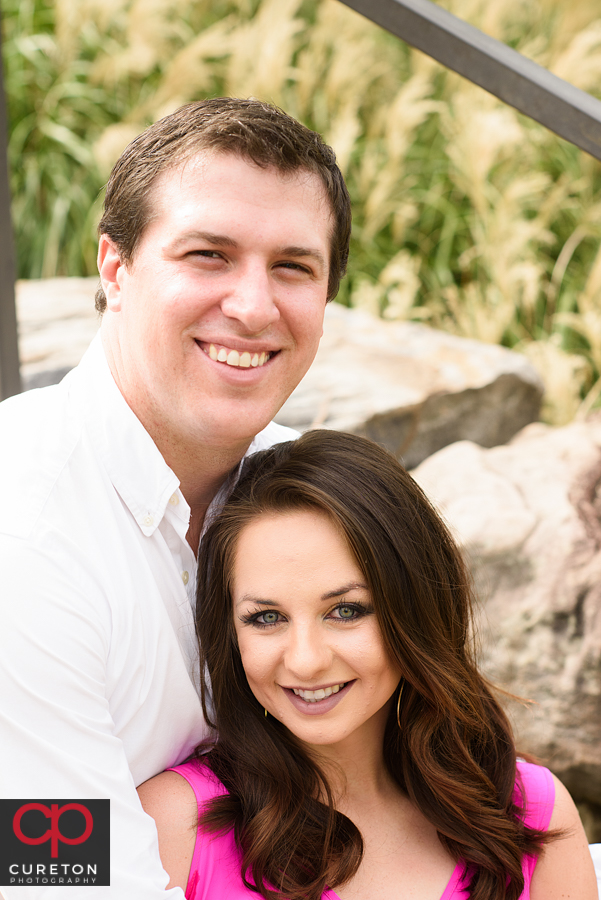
x=360, y=752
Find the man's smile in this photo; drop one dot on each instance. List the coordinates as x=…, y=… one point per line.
x=242, y=359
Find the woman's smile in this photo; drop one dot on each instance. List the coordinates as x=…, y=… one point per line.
x=316, y=703
x=315, y=694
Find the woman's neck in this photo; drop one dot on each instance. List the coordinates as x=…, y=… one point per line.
x=355, y=767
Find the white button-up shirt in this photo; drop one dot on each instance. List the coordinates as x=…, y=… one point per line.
x=98, y=682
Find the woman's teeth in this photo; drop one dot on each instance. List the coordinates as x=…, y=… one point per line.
x=321, y=694
x=233, y=358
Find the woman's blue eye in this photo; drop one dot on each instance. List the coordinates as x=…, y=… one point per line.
x=350, y=612
x=261, y=619
x=346, y=612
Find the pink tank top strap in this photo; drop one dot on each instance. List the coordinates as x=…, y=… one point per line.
x=535, y=793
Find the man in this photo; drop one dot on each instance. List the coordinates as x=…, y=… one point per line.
x=225, y=231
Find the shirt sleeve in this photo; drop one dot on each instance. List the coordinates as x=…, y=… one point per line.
x=57, y=736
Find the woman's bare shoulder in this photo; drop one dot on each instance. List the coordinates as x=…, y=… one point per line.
x=167, y=794
x=171, y=802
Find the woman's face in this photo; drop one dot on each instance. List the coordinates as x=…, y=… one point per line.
x=309, y=639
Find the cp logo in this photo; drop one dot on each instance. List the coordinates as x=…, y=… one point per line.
x=54, y=833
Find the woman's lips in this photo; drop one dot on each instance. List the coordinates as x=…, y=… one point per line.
x=317, y=707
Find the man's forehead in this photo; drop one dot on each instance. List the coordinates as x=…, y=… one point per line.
x=196, y=166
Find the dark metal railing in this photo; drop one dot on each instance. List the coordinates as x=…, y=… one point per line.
x=10, y=376
x=569, y=112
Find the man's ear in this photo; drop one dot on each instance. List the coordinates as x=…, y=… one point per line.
x=111, y=270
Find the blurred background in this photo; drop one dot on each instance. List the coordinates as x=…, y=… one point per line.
x=467, y=216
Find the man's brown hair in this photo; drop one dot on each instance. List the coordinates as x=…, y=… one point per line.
x=251, y=129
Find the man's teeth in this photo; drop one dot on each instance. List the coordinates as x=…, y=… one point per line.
x=314, y=696
x=241, y=360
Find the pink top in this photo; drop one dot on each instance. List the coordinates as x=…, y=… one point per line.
x=215, y=869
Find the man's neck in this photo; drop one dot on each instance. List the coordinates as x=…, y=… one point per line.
x=202, y=466
x=201, y=472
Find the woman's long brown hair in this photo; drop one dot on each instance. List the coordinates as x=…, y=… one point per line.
x=454, y=755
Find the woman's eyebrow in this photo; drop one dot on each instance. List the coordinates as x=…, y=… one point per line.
x=250, y=598
x=345, y=589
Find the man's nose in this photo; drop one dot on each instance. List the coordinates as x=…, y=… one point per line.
x=308, y=654
x=252, y=300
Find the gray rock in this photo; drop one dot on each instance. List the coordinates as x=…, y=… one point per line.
x=57, y=321
x=529, y=515
x=411, y=388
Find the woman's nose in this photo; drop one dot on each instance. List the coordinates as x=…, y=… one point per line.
x=308, y=655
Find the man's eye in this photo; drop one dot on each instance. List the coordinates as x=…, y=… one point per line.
x=295, y=267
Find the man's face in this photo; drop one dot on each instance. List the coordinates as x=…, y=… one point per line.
x=217, y=318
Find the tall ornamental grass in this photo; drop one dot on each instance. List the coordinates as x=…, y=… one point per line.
x=468, y=216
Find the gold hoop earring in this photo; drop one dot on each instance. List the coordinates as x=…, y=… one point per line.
x=398, y=704
x=265, y=711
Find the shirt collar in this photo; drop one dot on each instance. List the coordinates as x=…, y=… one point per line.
x=132, y=460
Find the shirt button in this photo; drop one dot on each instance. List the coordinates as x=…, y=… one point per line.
x=174, y=500
x=147, y=520
x=185, y=577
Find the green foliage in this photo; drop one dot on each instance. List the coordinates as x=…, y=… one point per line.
x=468, y=216
x=52, y=109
